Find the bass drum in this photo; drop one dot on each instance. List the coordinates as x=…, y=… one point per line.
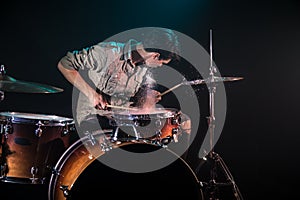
x=81, y=175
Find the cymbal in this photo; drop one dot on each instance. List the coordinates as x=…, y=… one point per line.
x=9, y=84
x=213, y=79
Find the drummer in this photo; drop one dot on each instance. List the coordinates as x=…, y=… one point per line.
x=114, y=74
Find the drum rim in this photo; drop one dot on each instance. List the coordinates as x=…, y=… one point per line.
x=161, y=114
x=29, y=118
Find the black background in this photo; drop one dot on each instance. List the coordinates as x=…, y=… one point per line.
x=258, y=40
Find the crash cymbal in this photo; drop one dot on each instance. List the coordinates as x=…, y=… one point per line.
x=9, y=84
x=213, y=79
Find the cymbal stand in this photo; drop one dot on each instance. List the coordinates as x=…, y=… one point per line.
x=2, y=73
x=3, y=136
x=217, y=161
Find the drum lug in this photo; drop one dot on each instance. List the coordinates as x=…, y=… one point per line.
x=34, y=171
x=91, y=138
x=175, y=131
x=158, y=133
x=176, y=120
x=8, y=128
x=115, y=134
x=174, y=134
x=65, y=132
x=105, y=147
x=3, y=170
x=166, y=141
x=38, y=132
x=67, y=129
x=54, y=171
x=156, y=139
x=65, y=190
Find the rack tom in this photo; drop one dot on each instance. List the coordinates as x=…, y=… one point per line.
x=31, y=145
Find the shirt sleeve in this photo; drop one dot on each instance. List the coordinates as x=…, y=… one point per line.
x=93, y=57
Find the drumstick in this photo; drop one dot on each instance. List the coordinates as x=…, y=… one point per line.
x=172, y=88
x=121, y=107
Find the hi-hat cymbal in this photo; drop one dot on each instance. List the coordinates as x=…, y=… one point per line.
x=213, y=79
x=9, y=84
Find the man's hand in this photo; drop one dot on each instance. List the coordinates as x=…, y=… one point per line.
x=98, y=101
x=150, y=99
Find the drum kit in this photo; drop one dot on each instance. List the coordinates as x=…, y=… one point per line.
x=36, y=148
x=30, y=143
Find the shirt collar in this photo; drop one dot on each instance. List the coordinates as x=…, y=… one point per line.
x=127, y=50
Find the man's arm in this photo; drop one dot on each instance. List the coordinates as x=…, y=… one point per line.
x=74, y=77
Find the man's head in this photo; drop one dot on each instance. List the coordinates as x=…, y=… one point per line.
x=164, y=42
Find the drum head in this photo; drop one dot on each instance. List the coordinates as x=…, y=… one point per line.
x=174, y=181
x=158, y=113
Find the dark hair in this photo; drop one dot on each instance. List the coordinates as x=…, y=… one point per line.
x=162, y=40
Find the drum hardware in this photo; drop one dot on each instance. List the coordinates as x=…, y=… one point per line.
x=34, y=179
x=217, y=161
x=54, y=171
x=116, y=130
x=7, y=128
x=38, y=132
x=3, y=170
x=68, y=128
x=66, y=191
x=91, y=138
x=175, y=132
x=176, y=120
x=161, y=142
x=1, y=95
x=117, y=124
x=65, y=132
x=164, y=141
x=105, y=144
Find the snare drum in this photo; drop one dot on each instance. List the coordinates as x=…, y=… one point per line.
x=31, y=145
x=159, y=126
